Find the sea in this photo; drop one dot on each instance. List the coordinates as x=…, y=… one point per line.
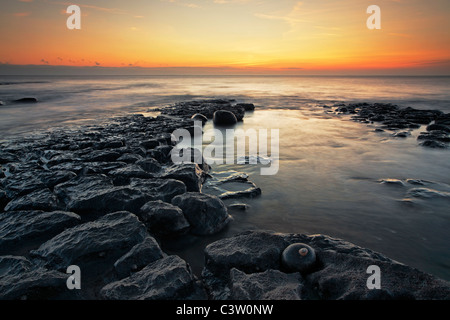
x=331, y=169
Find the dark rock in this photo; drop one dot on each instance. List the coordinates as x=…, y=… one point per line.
x=53, y=178
x=110, y=236
x=428, y=193
x=151, y=283
x=206, y=214
x=434, y=144
x=224, y=118
x=161, y=153
x=150, y=165
x=267, y=285
x=248, y=106
x=122, y=176
x=199, y=117
x=25, y=228
x=22, y=184
x=130, y=158
x=163, y=219
x=102, y=155
x=138, y=257
x=190, y=173
x=392, y=182
x=19, y=279
x=238, y=207
x=340, y=272
x=3, y=199
x=298, y=257
x=159, y=189
x=42, y=199
x=26, y=100
x=439, y=127
x=150, y=144
x=7, y=157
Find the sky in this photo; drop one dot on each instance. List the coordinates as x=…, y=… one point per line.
x=227, y=37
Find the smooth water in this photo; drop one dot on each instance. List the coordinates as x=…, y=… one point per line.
x=330, y=166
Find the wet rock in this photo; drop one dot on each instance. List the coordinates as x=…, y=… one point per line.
x=298, y=257
x=26, y=100
x=27, y=228
x=150, y=144
x=340, y=270
x=428, y=193
x=206, y=214
x=158, y=189
x=42, y=199
x=110, y=236
x=163, y=219
x=267, y=285
x=190, y=173
x=433, y=144
x=19, y=279
x=238, y=207
x=151, y=283
x=53, y=178
x=122, y=176
x=161, y=153
x=199, y=117
x=130, y=158
x=224, y=118
x=102, y=155
x=392, y=182
x=247, y=106
x=230, y=185
x=22, y=184
x=138, y=257
x=439, y=127
x=150, y=165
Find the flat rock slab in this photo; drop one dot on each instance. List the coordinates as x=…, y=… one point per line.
x=18, y=228
x=169, y=278
x=112, y=235
x=340, y=271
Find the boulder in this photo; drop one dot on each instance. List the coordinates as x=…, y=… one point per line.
x=169, y=278
x=106, y=238
x=42, y=199
x=122, y=176
x=163, y=219
x=138, y=257
x=102, y=155
x=28, y=228
x=190, y=173
x=206, y=214
x=199, y=117
x=339, y=273
x=130, y=158
x=150, y=165
x=224, y=118
x=53, y=178
x=19, y=279
x=158, y=189
x=20, y=184
x=267, y=285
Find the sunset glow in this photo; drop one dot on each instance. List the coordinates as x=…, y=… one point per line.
x=284, y=36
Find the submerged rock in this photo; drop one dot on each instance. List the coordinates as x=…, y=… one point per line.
x=163, y=219
x=26, y=100
x=206, y=214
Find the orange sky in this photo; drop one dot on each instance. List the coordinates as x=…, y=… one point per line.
x=283, y=36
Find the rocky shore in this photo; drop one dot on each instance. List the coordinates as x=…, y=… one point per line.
x=400, y=122
x=103, y=198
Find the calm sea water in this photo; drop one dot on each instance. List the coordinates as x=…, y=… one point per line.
x=330, y=167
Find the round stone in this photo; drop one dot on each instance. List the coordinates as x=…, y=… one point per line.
x=298, y=257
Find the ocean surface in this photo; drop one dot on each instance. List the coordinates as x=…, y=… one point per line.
x=330, y=167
